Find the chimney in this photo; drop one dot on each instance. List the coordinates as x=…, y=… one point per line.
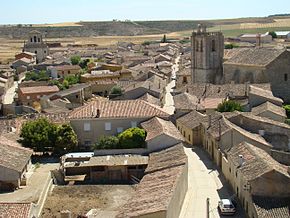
x=209, y=120
x=241, y=160
x=98, y=113
x=258, y=40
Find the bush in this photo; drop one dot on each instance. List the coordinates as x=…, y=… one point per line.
x=132, y=138
x=116, y=90
x=107, y=142
x=273, y=34
x=287, y=108
x=75, y=60
x=229, y=106
x=231, y=46
x=41, y=76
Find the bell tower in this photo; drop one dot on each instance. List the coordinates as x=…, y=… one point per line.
x=207, y=49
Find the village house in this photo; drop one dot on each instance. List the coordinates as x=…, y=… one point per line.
x=261, y=65
x=70, y=98
x=28, y=95
x=64, y=70
x=100, y=118
x=103, y=169
x=14, y=164
x=271, y=111
x=261, y=184
x=165, y=177
x=161, y=134
x=28, y=55
x=283, y=34
x=100, y=75
x=190, y=127
x=253, y=38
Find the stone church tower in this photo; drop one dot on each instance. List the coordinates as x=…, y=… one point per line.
x=207, y=56
x=36, y=45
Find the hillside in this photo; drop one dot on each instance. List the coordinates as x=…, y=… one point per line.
x=133, y=28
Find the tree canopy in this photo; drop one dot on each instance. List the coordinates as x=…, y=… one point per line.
x=273, y=34
x=130, y=138
x=229, y=106
x=75, y=60
x=43, y=135
x=116, y=90
x=37, y=76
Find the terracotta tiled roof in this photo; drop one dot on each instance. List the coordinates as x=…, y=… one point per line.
x=271, y=207
x=38, y=89
x=16, y=157
x=192, y=119
x=186, y=101
x=268, y=106
x=150, y=98
x=118, y=109
x=15, y=210
x=256, y=161
x=154, y=192
x=157, y=126
x=168, y=158
x=255, y=56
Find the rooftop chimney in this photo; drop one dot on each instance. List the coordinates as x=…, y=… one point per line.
x=241, y=160
x=98, y=113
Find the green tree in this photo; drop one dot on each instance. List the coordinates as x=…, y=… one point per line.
x=164, y=40
x=132, y=138
x=43, y=135
x=107, y=142
x=83, y=63
x=75, y=60
x=229, y=106
x=116, y=90
x=273, y=34
x=287, y=109
x=40, y=76
x=66, y=139
x=38, y=134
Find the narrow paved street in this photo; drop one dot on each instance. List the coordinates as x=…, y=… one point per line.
x=36, y=184
x=204, y=181
x=169, y=103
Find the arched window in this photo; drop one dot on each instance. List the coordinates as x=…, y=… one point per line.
x=213, y=45
x=31, y=40
x=35, y=39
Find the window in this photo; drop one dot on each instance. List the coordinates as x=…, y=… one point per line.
x=34, y=39
x=285, y=77
x=44, y=52
x=88, y=143
x=87, y=127
x=35, y=52
x=236, y=174
x=184, y=79
x=27, y=97
x=213, y=45
x=38, y=39
x=133, y=124
x=108, y=126
x=68, y=72
x=196, y=46
x=188, y=137
x=120, y=129
x=77, y=96
x=31, y=40
x=201, y=46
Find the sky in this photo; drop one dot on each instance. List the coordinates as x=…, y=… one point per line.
x=57, y=11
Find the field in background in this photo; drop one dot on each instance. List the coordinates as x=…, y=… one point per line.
x=172, y=29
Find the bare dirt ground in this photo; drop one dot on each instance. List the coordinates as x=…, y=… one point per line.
x=79, y=199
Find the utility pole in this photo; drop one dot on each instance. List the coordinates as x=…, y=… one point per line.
x=207, y=208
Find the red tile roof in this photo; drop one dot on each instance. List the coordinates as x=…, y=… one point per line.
x=15, y=210
x=118, y=109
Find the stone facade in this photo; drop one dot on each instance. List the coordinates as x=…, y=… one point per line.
x=36, y=45
x=207, y=56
